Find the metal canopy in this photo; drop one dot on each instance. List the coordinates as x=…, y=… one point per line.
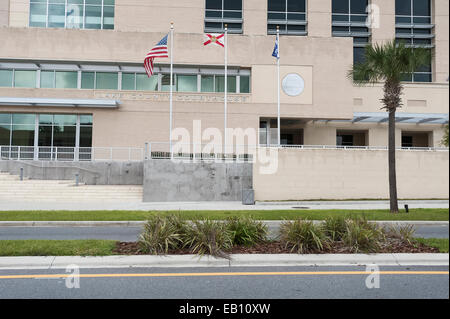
x=412, y=118
x=19, y=101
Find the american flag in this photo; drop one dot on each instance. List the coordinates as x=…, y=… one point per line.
x=159, y=51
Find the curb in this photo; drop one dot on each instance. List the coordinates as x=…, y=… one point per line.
x=272, y=223
x=240, y=260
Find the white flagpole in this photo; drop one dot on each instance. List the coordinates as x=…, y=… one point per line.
x=171, y=90
x=278, y=78
x=226, y=89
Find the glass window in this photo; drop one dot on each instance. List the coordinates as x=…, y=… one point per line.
x=221, y=12
x=63, y=120
x=165, y=82
x=6, y=77
x=86, y=136
x=296, y=6
x=89, y=14
x=38, y=14
x=5, y=118
x=220, y=84
x=85, y=119
x=45, y=119
x=358, y=6
x=66, y=80
x=421, y=7
x=144, y=83
x=403, y=7
x=53, y=130
x=128, y=81
x=5, y=134
x=289, y=15
x=207, y=83
x=415, y=12
x=88, y=80
x=23, y=119
x=349, y=20
x=24, y=79
x=358, y=55
x=93, y=17
x=340, y=6
x=108, y=17
x=106, y=81
x=64, y=136
x=277, y=5
x=244, y=84
x=75, y=14
x=187, y=83
x=47, y=79
x=56, y=15
x=22, y=135
x=64, y=130
x=45, y=135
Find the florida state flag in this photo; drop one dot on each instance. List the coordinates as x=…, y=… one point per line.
x=215, y=38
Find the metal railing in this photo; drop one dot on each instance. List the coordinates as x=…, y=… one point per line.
x=71, y=154
x=246, y=153
x=161, y=150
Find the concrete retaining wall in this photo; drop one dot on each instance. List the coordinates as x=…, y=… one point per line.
x=165, y=180
x=92, y=173
x=353, y=174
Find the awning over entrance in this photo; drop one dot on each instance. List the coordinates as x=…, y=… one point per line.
x=414, y=118
x=22, y=101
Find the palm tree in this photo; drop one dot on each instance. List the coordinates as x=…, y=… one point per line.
x=390, y=63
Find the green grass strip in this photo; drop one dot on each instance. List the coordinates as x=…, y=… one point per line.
x=414, y=214
x=56, y=247
x=441, y=243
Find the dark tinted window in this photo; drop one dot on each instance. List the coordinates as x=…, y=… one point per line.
x=358, y=6
x=214, y=4
x=296, y=6
x=340, y=6
x=403, y=7
x=232, y=4
x=277, y=5
x=421, y=8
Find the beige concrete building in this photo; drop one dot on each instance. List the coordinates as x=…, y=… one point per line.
x=71, y=72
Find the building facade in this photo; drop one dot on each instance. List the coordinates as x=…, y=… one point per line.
x=72, y=75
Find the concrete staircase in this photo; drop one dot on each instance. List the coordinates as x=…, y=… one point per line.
x=12, y=189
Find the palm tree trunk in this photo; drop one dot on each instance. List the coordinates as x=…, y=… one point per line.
x=392, y=101
x=392, y=164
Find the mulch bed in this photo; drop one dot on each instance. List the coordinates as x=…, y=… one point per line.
x=276, y=247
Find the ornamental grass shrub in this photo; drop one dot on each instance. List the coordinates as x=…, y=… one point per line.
x=247, y=231
x=303, y=236
x=362, y=236
x=162, y=233
x=209, y=237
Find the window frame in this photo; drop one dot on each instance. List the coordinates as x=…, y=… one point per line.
x=286, y=22
x=48, y=3
x=224, y=20
x=93, y=70
x=412, y=36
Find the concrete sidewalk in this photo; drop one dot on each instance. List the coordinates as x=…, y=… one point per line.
x=269, y=223
x=183, y=206
x=238, y=260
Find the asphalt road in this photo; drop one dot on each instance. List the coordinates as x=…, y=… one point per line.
x=228, y=283
x=128, y=234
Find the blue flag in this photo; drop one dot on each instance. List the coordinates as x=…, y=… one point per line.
x=275, y=53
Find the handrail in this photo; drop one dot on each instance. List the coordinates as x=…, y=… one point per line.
x=59, y=166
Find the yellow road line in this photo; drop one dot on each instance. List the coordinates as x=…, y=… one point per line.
x=223, y=274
